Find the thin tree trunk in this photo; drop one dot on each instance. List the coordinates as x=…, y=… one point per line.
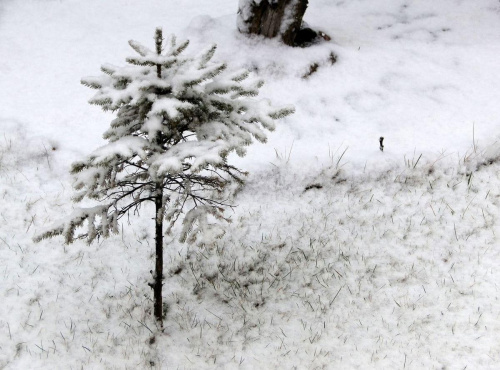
x=158, y=277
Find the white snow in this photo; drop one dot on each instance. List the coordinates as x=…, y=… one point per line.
x=338, y=255
x=126, y=147
x=169, y=106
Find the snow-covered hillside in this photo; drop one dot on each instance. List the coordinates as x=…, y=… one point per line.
x=339, y=255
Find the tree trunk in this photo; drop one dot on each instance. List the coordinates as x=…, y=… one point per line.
x=271, y=18
x=158, y=276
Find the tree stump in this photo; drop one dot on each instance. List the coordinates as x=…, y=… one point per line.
x=271, y=18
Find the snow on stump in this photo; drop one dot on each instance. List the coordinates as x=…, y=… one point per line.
x=271, y=18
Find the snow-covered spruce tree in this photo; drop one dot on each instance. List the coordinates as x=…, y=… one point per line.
x=178, y=118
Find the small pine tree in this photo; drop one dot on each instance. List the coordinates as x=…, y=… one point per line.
x=178, y=118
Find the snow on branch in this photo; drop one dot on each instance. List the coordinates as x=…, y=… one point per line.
x=139, y=48
x=126, y=147
x=171, y=107
x=68, y=226
x=197, y=229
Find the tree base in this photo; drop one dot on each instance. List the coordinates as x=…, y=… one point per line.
x=283, y=17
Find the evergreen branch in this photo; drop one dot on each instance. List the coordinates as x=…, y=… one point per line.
x=109, y=69
x=206, y=56
x=123, y=193
x=136, y=204
x=172, y=41
x=92, y=82
x=135, y=165
x=179, y=49
x=139, y=48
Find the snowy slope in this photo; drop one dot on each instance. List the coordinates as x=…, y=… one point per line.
x=388, y=259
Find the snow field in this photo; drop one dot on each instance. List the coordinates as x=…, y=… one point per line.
x=375, y=272
x=377, y=269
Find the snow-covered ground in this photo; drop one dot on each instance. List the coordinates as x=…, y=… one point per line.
x=339, y=255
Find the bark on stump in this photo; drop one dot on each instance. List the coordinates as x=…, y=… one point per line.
x=271, y=18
